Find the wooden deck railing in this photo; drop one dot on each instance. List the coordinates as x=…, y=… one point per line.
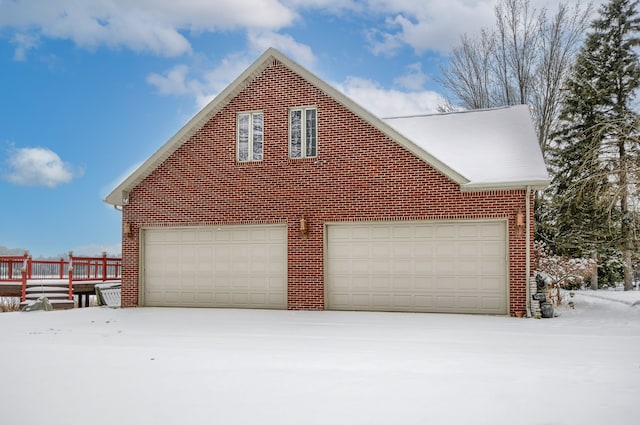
x=23, y=268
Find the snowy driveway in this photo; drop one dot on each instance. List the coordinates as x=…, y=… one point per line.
x=180, y=366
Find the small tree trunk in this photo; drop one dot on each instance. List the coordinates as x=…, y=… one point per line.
x=594, y=275
x=628, y=270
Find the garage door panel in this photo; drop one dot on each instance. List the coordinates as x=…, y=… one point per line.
x=446, y=232
x=380, y=233
x=277, y=266
x=424, y=302
x=491, y=283
x=380, y=299
x=187, y=296
x=361, y=232
x=223, y=266
x=491, y=303
x=275, y=299
x=361, y=300
x=470, y=303
x=424, y=266
x=446, y=302
x=469, y=232
x=493, y=230
x=381, y=266
x=360, y=283
x=402, y=232
x=445, y=248
x=358, y=265
x=470, y=267
x=469, y=249
x=205, y=297
x=381, y=251
x=492, y=248
x=403, y=301
x=444, y=266
x=468, y=283
x=222, y=298
x=423, y=284
x=490, y=269
x=360, y=251
x=400, y=283
x=418, y=266
x=402, y=250
x=424, y=232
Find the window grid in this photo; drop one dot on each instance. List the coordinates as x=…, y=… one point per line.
x=250, y=136
x=303, y=132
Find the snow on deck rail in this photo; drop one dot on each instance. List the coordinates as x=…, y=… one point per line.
x=24, y=268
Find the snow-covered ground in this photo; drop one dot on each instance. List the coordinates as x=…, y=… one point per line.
x=195, y=366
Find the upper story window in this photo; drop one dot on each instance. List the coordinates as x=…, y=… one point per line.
x=250, y=136
x=303, y=132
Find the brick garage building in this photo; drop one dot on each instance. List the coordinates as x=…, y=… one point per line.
x=283, y=193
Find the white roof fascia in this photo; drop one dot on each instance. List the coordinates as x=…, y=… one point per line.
x=483, y=187
x=116, y=196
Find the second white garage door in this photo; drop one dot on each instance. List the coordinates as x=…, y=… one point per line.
x=226, y=266
x=449, y=267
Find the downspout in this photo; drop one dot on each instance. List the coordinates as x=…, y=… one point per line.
x=528, y=249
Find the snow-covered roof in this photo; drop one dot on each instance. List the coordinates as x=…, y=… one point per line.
x=408, y=132
x=491, y=148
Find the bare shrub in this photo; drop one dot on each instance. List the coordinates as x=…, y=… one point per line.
x=9, y=304
x=562, y=272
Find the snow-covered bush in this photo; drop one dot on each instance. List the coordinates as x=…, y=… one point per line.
x=9, y=304
x=561, y=272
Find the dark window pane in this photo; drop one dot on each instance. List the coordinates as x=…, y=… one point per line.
x=257, y=136
x=243, y=137
x=295, y=148
x=311, y=132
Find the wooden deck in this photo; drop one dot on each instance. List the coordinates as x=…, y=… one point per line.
x=64, y=279
x=82, y=289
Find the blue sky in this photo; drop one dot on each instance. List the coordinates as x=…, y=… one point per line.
x=90, y=89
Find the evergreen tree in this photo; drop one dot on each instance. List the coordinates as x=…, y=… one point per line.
x=596, y=158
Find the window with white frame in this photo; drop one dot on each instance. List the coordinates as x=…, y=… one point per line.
x=303, y=133
x=250, y=136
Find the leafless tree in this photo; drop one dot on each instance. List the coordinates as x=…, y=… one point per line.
x=524, y=60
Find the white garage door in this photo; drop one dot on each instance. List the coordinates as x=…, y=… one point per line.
x=226, y=266
x=448, y=267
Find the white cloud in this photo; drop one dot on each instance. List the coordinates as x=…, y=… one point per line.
x=201, y=85
x=38, y=167
x=156, y=26
x=162, y=27
x=204, y=84
x=332, y=6
x=172, y=82
x=23, y=43
x=385, y=102
x=435, y=24
x=414, y=79
x=260, y=41
x=427, y=25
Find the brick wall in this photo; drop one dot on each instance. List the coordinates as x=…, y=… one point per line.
x=359, y=174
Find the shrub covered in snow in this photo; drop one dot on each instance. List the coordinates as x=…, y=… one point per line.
x=9, y=304
x=562, y=272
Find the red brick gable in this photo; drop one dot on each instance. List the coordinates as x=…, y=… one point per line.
x=359, y=174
